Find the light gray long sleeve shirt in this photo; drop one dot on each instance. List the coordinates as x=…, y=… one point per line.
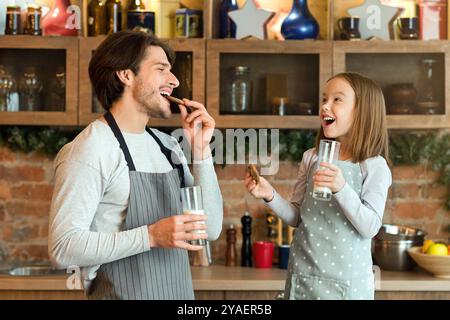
x=365, y=212
x=91, y=192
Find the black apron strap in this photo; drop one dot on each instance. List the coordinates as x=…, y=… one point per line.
x=169, y=153
x=115, y=129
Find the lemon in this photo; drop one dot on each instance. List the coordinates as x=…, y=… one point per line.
x=426, y=245
x=438, y=249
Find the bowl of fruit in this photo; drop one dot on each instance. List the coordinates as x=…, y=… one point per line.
x=434, y=257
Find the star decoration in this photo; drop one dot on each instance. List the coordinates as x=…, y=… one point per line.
x=250, y=21
x=375, y=19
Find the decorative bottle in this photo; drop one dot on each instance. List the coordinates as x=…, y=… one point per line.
x=59, y=21
x=113, y=16
x=96, y=18
x=300, y=24
x=227, y=26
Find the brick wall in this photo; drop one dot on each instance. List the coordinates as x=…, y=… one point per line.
x=25, y=195
x=26, y=189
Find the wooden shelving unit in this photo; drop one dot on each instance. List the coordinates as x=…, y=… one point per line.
x=217, y=48
x=210, y=56
x=395, y=62
x=69, y=48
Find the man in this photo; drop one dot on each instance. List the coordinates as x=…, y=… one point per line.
x=116, y=208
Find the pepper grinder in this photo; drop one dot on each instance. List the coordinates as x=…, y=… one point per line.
x=231, y=247
x=246, y=253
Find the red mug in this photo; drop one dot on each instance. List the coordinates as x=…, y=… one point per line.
x=263, y=254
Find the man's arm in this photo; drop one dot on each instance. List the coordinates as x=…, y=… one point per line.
x=78, y=190
x=198, y=127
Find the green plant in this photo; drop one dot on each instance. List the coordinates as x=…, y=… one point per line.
x=428, y=148
x=294, y=142
x=43, y=140
x=410, y=148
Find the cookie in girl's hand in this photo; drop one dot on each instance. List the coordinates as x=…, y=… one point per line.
x=253, y=172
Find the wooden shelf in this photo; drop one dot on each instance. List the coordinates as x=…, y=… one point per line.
x=70, y=47
x=206, y=66
x=343, y=49
x=216, y=48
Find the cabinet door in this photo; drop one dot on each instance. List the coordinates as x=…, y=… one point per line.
x=412, y=74
x=38, y=79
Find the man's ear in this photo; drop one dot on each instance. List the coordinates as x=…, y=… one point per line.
x=126, y=76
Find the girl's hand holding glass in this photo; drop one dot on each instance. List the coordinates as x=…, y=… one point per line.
x=331, y=177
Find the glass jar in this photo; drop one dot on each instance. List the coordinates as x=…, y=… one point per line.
x=280, y=106
x=240, y=90
x=13, y=20
x=33, y=22
x=9, y=100
x=427, y=103
x=30, y=87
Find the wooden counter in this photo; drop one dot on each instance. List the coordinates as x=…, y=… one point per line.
x=220, y=282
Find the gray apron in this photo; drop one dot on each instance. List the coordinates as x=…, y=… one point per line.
x=158, y=273
x=329, y=259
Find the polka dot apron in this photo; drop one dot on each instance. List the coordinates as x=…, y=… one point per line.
x=329, y=259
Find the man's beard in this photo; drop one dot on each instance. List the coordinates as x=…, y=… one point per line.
x=149, y=101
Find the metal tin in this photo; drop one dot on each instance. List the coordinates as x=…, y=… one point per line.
x=188, y=23
x=13, y=23
x=33, y=23
x=141, y=19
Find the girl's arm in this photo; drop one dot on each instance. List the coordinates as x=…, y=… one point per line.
x=366, y=213
x=289, y=212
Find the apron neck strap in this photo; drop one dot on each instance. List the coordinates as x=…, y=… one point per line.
x=170, y=155
x=115, y=129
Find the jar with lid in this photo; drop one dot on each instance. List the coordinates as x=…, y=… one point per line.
x=33, y=22
x=13, y=20
x=240, y=91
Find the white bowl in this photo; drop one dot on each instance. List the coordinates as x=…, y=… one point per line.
x=439, y=266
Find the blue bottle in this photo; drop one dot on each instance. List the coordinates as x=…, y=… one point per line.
x=227, y=26
x=300, y=24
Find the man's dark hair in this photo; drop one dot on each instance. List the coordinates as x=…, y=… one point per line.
x=120, y=51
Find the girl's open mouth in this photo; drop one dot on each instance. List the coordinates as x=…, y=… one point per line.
x=328, y=121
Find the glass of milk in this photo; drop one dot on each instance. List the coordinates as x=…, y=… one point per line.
x=328, y=152
x=192, y=201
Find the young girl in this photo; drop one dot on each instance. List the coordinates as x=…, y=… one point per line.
x=330, y=254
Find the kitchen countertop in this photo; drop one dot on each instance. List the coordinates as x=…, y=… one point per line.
x=221, y=278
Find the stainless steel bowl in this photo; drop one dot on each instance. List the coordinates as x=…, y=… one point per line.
x=394, y=232
x=390, y=246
